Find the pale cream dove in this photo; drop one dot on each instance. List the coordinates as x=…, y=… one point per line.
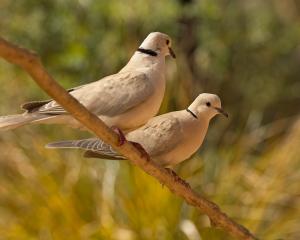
x=168, y=139
x=126, y=100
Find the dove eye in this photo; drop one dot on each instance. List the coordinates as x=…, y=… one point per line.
x=208, y=104
x=168, y=41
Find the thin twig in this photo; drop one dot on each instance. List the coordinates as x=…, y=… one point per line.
x=31, y=63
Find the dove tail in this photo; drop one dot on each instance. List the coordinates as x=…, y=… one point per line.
x=63, y=144
x=95, y=148
x=14, y=121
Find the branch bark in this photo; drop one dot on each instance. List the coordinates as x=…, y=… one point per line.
x=31, y=63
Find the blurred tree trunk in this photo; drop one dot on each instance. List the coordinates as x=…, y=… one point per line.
x=190, y=77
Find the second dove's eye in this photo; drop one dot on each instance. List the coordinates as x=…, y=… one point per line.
x=208, y=104
x=168, y=41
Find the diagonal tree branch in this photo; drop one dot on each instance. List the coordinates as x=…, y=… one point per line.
x=31, y=63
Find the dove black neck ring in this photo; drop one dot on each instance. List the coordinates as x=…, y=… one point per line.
x=147, y=51
x=193, y=114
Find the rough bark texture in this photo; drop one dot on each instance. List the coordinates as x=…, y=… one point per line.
x=31, y=63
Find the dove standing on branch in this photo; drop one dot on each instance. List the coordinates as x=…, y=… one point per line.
x=126, y=100
x=168, y=139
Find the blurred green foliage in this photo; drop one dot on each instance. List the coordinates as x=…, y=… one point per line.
x=248, y=52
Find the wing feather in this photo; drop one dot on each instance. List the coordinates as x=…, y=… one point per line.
x=110, y=96
x=90, y=145
x=159, y=135
x=34, y=106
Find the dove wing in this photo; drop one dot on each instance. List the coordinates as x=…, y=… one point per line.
x=159, y=136
x=109, y=96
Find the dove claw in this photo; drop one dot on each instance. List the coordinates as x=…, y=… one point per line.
x=122, y=138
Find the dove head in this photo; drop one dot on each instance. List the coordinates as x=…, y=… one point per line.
x=207, y=106
x=158, y=43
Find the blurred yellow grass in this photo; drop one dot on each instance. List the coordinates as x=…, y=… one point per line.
x=53, y=194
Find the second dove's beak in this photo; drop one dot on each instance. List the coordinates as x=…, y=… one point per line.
x=172, y=53
x=221, y=111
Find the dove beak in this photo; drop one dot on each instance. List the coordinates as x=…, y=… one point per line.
x=172, y=53
x=221, y=111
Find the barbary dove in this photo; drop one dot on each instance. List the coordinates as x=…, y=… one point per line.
x=168, y=139
x=126, y=100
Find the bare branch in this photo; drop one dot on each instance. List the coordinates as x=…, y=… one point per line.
x=31, y=63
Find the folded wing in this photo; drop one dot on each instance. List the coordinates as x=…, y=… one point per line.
x=109, y=96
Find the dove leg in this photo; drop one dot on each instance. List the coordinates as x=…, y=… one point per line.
x=121, y=135
x=142, y=150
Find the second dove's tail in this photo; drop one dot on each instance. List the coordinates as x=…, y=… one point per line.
x=64, y=144
x=95, y=148
x=15, y=121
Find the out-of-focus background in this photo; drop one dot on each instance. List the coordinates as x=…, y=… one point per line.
x=247, y=52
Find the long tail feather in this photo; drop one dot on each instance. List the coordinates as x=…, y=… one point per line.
x=94, y=147
x=15, y=121
x=63, y=144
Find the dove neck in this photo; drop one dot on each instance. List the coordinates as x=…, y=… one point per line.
x=143, y=59
x=191, y=112
x=147, y=51
x=200, y=112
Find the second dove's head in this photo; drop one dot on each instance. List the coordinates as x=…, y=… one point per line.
x=159, y=43
x=207, y=105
